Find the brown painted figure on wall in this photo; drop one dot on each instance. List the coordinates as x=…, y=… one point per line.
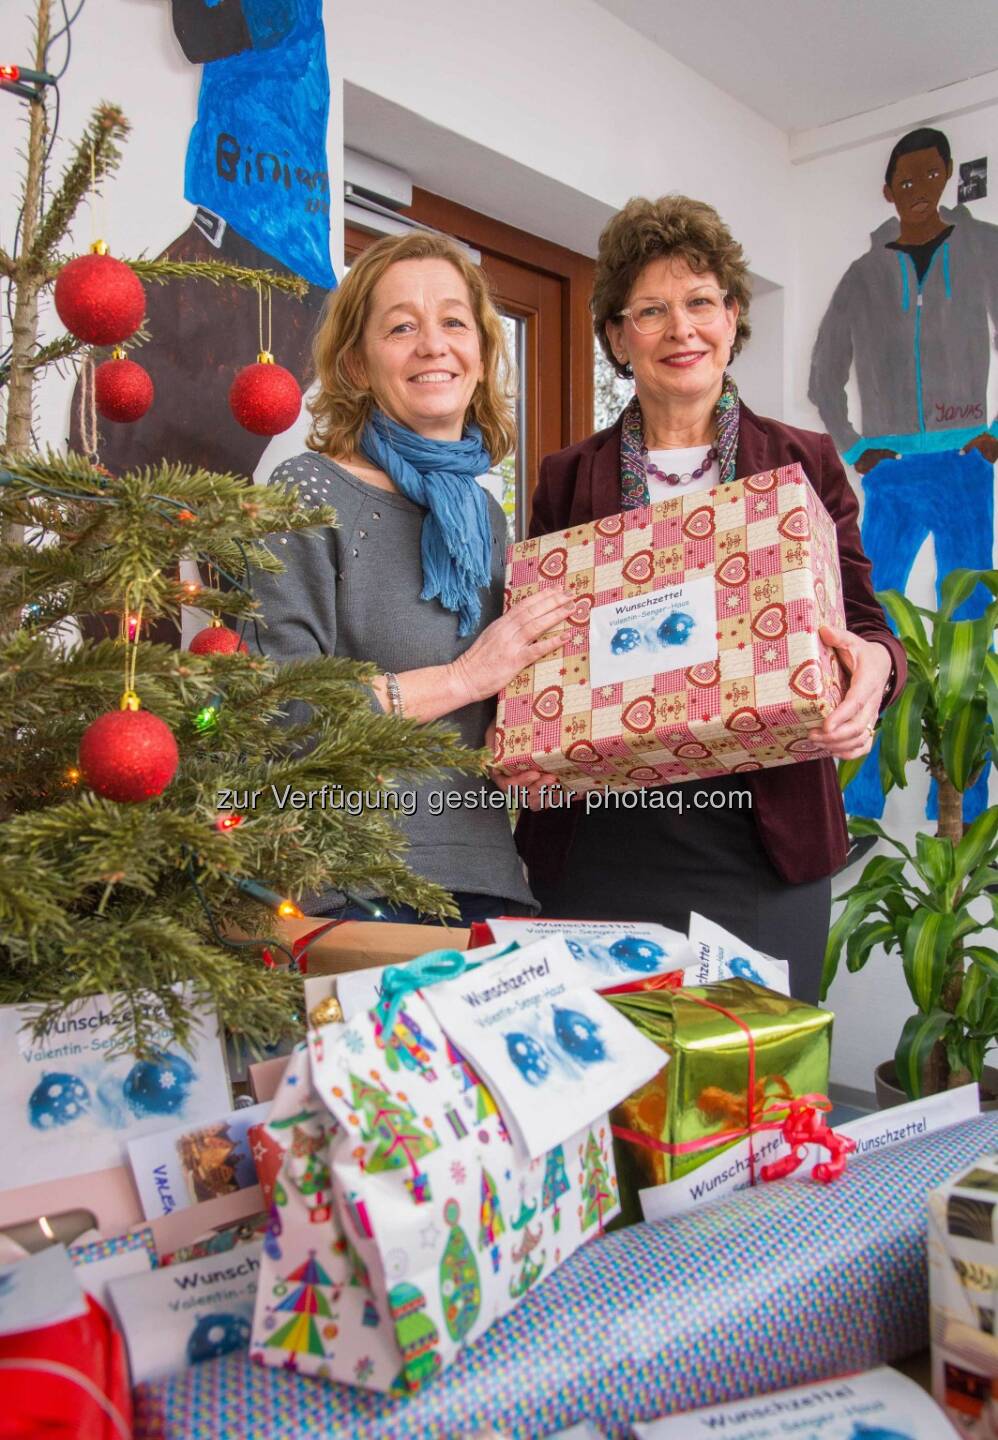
x=915, y=316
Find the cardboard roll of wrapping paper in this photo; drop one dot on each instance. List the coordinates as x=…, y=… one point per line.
x=725, y=1041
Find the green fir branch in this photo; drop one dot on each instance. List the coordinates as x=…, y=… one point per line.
x=52, y=354
x=62, y=349
x=97, y=154
x=217, y=272
x=113, y=533
x=155, y=957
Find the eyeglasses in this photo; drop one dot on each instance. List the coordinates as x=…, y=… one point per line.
x=702, y=307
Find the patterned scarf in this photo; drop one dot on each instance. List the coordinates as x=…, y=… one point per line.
x=633, y=478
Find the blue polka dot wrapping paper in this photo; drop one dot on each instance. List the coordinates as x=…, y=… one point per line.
x=770, y=1288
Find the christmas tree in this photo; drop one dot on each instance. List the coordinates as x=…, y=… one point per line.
x=555, y=1183
x=597, y=1194
x=460, y=1287
x=522, y=1254
x=491, y=1224
x=121, y=871
x=301, y=1334
x=416, y=1334
x=391, y=1124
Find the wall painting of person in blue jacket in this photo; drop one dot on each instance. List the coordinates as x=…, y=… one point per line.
x=915, y=317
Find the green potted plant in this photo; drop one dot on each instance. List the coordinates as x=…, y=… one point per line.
x=932, y=905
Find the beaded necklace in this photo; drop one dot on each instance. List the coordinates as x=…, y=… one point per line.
x=674, y=479
x=633, y=478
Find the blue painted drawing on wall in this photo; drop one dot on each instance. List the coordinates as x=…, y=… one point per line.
x=914, y=317
x=257, y=178
x=257, y=154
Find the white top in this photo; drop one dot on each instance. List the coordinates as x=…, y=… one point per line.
x=680, y=462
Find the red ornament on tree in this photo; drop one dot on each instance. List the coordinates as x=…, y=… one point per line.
x=265, y=398
x=128, y=754
x=217, y=639
x=123, y=391
x=99, y=299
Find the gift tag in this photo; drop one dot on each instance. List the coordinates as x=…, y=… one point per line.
x=880, y=1405
x=360, y=990
x=175, y=1169
x=178, y=1316
x=554, y=1055
x=606, y=952
x=719, y=955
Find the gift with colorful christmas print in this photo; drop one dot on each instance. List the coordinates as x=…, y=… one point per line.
x=745, y=1061
x=693, y=647
x=413, y=1209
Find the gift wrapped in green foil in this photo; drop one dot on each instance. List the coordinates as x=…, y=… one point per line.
x=704, y=1089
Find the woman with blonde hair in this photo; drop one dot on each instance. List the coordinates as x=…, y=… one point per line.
x=413, y=406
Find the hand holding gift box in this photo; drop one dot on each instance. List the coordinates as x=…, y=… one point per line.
x=694, y=647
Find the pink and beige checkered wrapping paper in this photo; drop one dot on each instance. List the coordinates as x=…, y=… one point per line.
x=769, y=546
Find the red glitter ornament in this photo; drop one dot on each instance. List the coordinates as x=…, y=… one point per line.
x=99, y=299
x=123, y=391
x=265, y=398
x=217, y=640
x=128, y=755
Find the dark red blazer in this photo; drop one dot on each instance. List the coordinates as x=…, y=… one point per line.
x=798, y=808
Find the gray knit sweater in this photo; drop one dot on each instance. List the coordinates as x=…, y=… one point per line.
x=353, y=590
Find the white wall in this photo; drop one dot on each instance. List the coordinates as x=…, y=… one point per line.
x=566, y=91
x=837, y=201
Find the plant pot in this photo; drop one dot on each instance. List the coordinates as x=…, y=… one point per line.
x=889, y=1092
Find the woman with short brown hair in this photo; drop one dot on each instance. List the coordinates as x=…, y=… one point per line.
x=670, y=308
x=413, y=406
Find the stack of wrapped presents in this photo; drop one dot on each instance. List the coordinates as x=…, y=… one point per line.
x=541, y=1177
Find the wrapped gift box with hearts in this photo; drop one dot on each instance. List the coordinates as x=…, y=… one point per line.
x=693, y=647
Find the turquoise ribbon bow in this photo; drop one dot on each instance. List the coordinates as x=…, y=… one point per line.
x=398, y=981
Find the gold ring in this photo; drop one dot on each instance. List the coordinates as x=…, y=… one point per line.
x=871, y=729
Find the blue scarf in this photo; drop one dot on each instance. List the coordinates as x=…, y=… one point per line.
x=440, y=475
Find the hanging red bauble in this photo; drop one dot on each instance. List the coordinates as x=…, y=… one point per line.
x=265, y=398
x=99, y=299
x=123, y=391
x=217, y=640
x=128, y=754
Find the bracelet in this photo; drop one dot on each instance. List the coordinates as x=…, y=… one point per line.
x=394, y=694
